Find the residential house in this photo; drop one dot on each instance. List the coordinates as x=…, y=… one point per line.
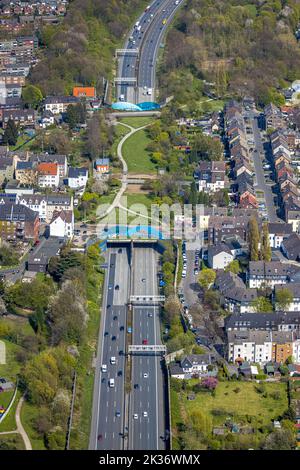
x=294, y=289
x=249, y=345
x=62, y=224
x=59, y=104
x=84, y=92
x=21, y=117
x=210, y=176
x=273, y=117
x=26, y=173
x=273, y=321
x=18, y=222
x=6, y=169
x=291, y=247
x=77, y=177
x=47, y=204
x=239, y=299
x=60, y=160
x=102, y=165
x=219, y=256
x=271, y=273
x=194, y=364
x=48, y=175
x=278, y=232
x=47, y=119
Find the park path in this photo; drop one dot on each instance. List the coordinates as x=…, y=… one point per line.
x=117, y=199
x=20, y=428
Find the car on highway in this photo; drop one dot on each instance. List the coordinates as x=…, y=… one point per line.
x=122, y=328
x=150, y=315
x=117, y=287
x=135, y=416
x=145, y=341
x=146, y=375
x=136, y=386
x=111, y=383
x=104, y=368
x=115, y=317
x=164, y=21
x=145, y=414
x=106, y=333
x=118, y=414
x=110, y=286
x=112, y=360
x=113, y=338
x=120, y=373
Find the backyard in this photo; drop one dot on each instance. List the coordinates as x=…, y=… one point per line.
x=245, y=403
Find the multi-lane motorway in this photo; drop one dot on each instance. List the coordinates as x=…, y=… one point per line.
x=134, y=417
x=146, y=36
x=108, y=407
x=147, y=403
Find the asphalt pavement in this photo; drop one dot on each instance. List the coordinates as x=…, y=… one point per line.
x=261, y=184
x=108, y=407
x=147, y=395
x=153, y=24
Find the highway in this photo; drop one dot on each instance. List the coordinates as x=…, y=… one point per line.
x=108, y=407
x=147, y=402
x=146, y=37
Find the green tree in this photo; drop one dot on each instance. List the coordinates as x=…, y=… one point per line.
x=261, y=304
x=265, y=250
x=253, y=237
x=206, y=278
x=32, y=96
x=233, y=267
x=283, y=298
x=11, y=133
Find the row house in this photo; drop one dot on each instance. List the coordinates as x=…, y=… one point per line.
x=275, y=321
x=59, y=104
x=294, y=289
x=262, y=346
x=273, y=117
x=46, y=204
x=270, y=273
x=18, y=222
x=21, y=117
x=220, y=227
x=210, y=176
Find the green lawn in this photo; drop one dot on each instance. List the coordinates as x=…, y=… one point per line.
x=9, y=423
x=135, y=153
x=137, y=121
x=246, y=402
x=28, y=414
x=12, y=367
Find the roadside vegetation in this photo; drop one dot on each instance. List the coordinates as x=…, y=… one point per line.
x=231, y=48
x=57, y=338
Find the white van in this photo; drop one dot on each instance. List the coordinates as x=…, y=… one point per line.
x=113, y=360
x=111, y=383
